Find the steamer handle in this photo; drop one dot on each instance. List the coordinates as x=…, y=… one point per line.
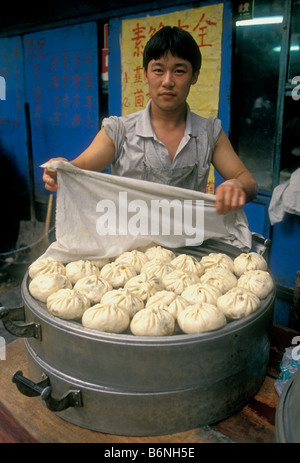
x=43, y=389
x=260, y=244
x=21, y=330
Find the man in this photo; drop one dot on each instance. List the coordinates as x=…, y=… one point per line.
x=166, y=142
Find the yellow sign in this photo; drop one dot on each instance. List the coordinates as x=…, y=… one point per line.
x=205, y=25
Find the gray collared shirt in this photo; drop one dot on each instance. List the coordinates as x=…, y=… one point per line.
x=135, y=142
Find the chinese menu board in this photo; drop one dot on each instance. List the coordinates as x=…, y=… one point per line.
x=61, y=79
x=205, y=25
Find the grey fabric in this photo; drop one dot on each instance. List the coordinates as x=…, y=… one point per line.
x=136, y=145
x=285, y=199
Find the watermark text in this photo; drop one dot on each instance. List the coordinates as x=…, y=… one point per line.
x=2, y=88
x=2, y=348
x=296, y=350
x=296, y=89
x=152, y=218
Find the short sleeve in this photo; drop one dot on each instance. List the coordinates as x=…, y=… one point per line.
x=114, y=128
x=214, y=130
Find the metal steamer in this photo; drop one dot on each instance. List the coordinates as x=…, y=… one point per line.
x=287, y=423
x=138, y=386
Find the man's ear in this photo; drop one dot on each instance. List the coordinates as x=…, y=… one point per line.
x=145, y=77
x=195, y=77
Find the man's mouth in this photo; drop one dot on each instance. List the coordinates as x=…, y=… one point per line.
x=167, y=94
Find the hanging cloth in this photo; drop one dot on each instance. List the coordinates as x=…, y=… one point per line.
x=101, y=215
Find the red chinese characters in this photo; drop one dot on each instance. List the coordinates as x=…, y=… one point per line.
x=138, y=36
x=202, y=28
x=200, y=25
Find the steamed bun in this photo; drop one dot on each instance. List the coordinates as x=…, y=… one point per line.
x=157, y=268
x=42, y=286
x=188, y=264
x=177, y=281
x=79, y=269
x=152, y=321
x=177, y=306
x=238, y=303
x=221, y=278
x=106, y=317
x=201, y=317
x=123, y=299
x=46, y=265
x=161, y=299
x=143, y=286
x=201, y=292
x=158, y=252
x=249, y=261
x=169, y=301
x=217, y=259
x=258, y=281
x=67, y=304
x=118, y=273
x=93, y=287
x=135, y=258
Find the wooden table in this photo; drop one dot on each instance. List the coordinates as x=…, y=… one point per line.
x=27, y=420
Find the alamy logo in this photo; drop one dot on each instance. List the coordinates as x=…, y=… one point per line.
x=152, y=218
x=296, y=350
x=2, y=88
x=296, y=89
x=2, y=348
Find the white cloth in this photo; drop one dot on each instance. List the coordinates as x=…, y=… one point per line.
x=85, y=198
x=285, y=199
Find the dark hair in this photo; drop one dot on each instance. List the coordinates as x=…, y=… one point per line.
x=178, y=41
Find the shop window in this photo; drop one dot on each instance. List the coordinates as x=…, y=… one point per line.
x=294, y=55
x=290, y=148
x=266, y=91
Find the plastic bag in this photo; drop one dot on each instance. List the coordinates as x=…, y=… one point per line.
x=289, y=365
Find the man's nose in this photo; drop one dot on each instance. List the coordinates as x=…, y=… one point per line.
x=168, y=80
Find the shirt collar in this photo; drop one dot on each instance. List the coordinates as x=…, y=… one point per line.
x=144, y=126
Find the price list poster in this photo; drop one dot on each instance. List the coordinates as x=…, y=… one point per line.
x=61, y=82
x=205, y=25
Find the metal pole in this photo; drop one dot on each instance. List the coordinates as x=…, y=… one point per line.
x=283, y=67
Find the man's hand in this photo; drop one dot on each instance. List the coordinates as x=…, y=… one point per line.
x=230, y=196
x=50, y=176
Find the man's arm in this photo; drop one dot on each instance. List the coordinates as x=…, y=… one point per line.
x=99, y=155
x=239, y=186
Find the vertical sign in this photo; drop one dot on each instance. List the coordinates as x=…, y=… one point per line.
x=244, y=10
x=61, y=75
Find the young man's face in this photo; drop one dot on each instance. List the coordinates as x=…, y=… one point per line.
x=169, y=79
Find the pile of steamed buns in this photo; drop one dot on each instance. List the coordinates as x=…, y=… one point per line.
x=152, y=292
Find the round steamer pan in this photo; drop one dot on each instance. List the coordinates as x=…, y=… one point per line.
x=131, y=385
x=287, y=419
